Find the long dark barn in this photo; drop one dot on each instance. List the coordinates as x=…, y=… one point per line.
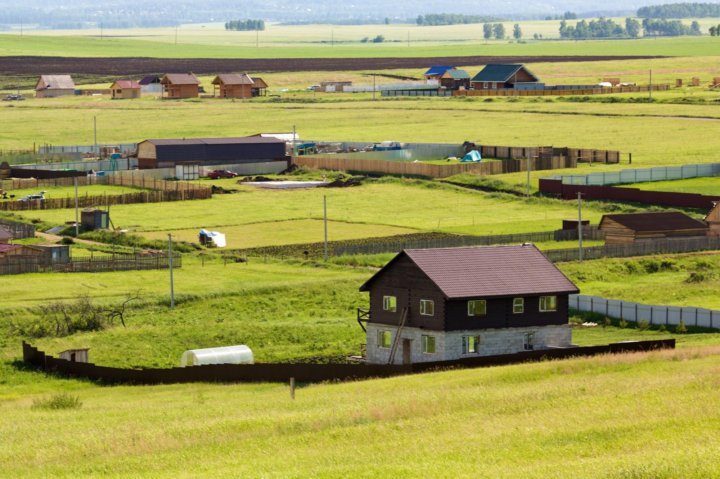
x=166, y=153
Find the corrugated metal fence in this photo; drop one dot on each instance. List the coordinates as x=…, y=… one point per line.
x=644, y=248
x=653, y=314
x=640, y=175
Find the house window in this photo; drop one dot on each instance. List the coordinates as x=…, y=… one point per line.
x=528, y=342
x=548, y=303
x=485, y=84
x=477, y=307
x=518, y=305
x=390, y=303
x=470, y=344
x=428, y=344
x=427, y=307
x=384, y=339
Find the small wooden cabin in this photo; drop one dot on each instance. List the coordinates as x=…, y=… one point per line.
x=502, y=76
x=713, y=220
x=125, y=89
x=632, y=227
x=233, y=85
x=180, y=85
x=442, y=304
x=455, y=79
x=94, y=219
x=50, y=86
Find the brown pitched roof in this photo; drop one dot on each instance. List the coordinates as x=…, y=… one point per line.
x=259, y=83
x=655, y=221
x=126, y=84
x=6, y=248
x=180, y=79
x=485, y=272
x=55, y=82
x=232, y=79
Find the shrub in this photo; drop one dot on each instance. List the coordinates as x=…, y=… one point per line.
x=662, y=328
x=681, y=328
x=606, y=322
x=58, y=401
x=643, y=324
x=623, y=324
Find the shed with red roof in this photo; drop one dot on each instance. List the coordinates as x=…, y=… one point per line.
x=125, y=89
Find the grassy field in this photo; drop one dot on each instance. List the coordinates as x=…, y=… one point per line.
x=703, y=186
x=69, y=191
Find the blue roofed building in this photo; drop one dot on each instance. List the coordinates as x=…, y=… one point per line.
x=497, y=76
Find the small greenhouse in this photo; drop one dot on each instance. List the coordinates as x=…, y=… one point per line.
x=224, y=355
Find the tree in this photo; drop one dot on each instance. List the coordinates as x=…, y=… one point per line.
x=632, y=27
x=487, y=31
x=517, y=31
x=695, y=28
x=378, y=39
x=713, y=31
x=499, y=31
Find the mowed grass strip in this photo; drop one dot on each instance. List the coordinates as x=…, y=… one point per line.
x=405, y=204
x=286, y=232
x=608, y=416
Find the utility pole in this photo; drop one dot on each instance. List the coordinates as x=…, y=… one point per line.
x=77, y=210
x=325, y=249
x=170, y=265
x=373, y=87
x=176, y=33
x=408, y=38
x=527, y=186
x=294, y=153
x=580, y=231
x=257, y=38
x=97, y=150
x=650, y=87
x=332, y=38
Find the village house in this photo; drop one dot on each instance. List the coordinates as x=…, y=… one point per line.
x=180, y=85
x=502, y=76
x=634, y=227
x=50, y=86
x=449, y=77
x=237, y=85
x=125, y=89
x=443, y=304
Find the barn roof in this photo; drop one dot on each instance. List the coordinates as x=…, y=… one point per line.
x=180, y=79
x=497, y=72
x=655, y=221
x=212, y=141
x=485, y=272
x=126, y=84
x=233, y=79
x=56, y=82
x=438, y=70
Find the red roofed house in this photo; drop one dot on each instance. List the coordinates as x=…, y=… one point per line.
x=49, y=86
x=125, y=89
x=237, y=85
x=443, y=304
x=180, y=85
x=633, y=227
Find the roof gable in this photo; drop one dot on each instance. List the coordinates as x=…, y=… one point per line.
x=672, y=220
x=496, y=72
x=233, y=79
x=485, y=272
x=456, y=74
x=438, y=70
x=180, y=79
x=714, y=213
x=55, y=82
x=259, y=83
x=126, y=84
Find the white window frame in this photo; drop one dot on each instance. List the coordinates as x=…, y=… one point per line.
x=466, y=343
x=387, y=300
x=471, y=310
x=382, y=333
x=427, y=341
x=424, y=307
x=518, y=302
x=485, y=85
x=542, y=304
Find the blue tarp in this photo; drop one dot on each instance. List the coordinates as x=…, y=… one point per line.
x=472, y=156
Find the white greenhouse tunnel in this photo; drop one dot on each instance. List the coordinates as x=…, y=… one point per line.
x=240, y=354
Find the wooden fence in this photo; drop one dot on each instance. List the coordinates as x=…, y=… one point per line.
x=155, y=191
x=571, y=155
x=117, y=262
x=643, y=248
x=562, y=92
x=18, y=230
x=282, y=372
x=427, y=170
x=556, y=187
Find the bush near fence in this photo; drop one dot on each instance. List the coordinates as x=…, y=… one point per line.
x=117, y=262
x=653, y=314
x=157, y=191
x=310, y=372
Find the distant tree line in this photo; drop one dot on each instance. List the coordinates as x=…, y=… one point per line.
x=607, y=28
x=564, y=16
x=680, y=10
x=451, y=19
x=245, y=25
x=491, y=30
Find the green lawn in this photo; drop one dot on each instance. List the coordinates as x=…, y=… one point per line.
x=704, y=186
x=69, y=191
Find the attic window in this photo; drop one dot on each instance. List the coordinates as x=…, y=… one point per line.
x=427, y=307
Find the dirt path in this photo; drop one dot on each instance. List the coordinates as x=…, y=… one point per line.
x=55, y=238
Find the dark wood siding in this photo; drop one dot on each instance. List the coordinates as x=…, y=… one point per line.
x=500, y=314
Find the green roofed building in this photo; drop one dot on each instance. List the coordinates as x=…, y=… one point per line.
x=501, y=76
